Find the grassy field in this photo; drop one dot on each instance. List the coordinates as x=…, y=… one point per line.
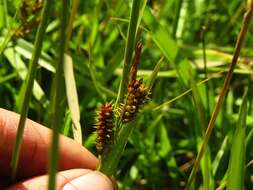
x=196, y=108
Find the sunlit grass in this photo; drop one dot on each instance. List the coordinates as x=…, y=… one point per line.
x=186, y=55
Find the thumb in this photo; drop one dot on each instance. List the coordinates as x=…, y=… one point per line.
x=93, y=180
x=74, y=179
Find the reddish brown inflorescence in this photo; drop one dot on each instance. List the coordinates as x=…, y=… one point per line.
x=104, y=128
x=29, y=17
x=136, y=98
x=137, y=93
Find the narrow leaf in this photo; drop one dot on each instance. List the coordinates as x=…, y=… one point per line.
x=72, y=98
x=236, y=171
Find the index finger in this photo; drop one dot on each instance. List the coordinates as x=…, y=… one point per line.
x=35, y=146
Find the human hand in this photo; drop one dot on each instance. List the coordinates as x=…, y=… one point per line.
x=76, y=163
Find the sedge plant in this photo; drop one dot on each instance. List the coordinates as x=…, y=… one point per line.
x=158, y=131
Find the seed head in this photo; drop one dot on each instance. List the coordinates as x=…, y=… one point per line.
x=104, y=127
x=136, y=98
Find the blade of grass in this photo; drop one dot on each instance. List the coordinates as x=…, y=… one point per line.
x=154, y=74
x=29, y=85
x=240, y=39
x=72, y=98
x=71, y=21
x=21, y=70
x=25, y=49
x=56, y=101
x=144, y=73
x=160, y=36
x=176, y=18
x=208, y=181
x=142, y=9
x=8, y=77
x=132, y=29
x=203, y=37
x=10, y=32
x=183, y=15
x=70, y=83
x=5, y=13
x=220, y=155
x=67, y=123
x=236, y=171
x=168, y=46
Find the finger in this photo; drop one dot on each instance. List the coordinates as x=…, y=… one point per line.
x=75, y=179
x=35, y=146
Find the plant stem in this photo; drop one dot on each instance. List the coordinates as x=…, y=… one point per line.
x=56, y=100
x=203, y=36
x=70, y=23
x=134, y=16
x=240, y=39
x=110, y=161
x=28, y=84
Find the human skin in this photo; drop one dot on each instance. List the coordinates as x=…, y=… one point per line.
x=76, y=165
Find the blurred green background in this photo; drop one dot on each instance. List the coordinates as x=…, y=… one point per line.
x=164, y=144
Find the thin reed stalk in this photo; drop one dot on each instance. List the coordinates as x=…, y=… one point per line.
x=240, y=39
x=56, y=101
x=28, y=85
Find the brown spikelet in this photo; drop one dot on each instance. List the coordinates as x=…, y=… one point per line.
x=37, y=6
x=29, y=18
x=136, y=98
x=104, y=128
x=137, y=92
x=136, y=61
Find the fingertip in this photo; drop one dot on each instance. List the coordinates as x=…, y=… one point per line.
x=91, y=181
x=41, y=182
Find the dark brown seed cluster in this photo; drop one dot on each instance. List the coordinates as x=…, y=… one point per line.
x=29, y=18
x=104, y=128
x=136, y=98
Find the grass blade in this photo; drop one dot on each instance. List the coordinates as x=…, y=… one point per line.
x=219, y=156
x=160, y=36
x=21, y=69
x=71, y=20
x=208, y=181
x=154, y=74
x=236, y=171
x=132, y=29
x=72, y=98
x=29, y=85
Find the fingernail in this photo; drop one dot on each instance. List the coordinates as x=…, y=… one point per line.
x=91, y=181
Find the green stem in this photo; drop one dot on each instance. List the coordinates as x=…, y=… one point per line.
x=29, y=84
x=240, y=39
x=205, y=69
x=70, y=23
x=110, y=161
x=56, y=102
x=134, y=16
x=6, y=20
x=175, y=23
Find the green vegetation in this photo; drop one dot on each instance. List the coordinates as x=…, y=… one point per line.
x=196, y=130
